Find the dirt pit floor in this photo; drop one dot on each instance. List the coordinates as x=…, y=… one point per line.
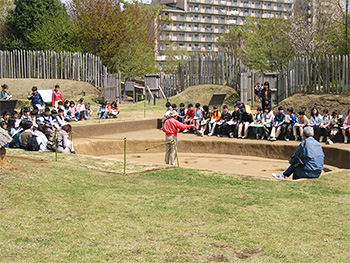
x=229, y=164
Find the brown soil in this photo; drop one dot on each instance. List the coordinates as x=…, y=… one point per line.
x=305, y=102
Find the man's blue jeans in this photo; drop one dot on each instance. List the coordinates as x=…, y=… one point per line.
x=299, y=172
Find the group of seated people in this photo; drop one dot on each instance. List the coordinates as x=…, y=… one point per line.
x=265, y=124
x=37, y=131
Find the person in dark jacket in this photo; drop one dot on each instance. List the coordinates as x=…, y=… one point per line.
x=307, y=161
x=247, y=119
x=266, y=96
x=277, y=124
x=37, y=100
x=236, y=119
x=225, y=117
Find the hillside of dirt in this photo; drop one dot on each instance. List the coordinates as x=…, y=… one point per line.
x=203, y=94
x=70, y=89
x=306, y=101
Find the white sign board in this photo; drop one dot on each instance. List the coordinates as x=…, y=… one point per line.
x=46, y=94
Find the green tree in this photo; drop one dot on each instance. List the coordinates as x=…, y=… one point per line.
x=29, y=19
x=233, y=41
x=268, y=47
x=121, y=33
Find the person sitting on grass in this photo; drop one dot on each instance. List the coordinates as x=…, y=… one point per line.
x=26, y=114
x=36, y=99
x=89, y=111
x=191, y=112
x=346, y=128
x=60, y=118
x=113, y=109
x=215, y=118
x=337, y=123
x=325, y=126
x=257, y=122
x=5, y=116
x=307, y=161
x=181, y=112
x=102, y=111
x=301, y=122
x=225, y=117
x=74, y=111
x=231, y=127
x=33, y=115
x=198, y=116
x=5, y=94
x=247, y=119
x=266, y=123
x=171, y=128
x=205, y=120
x=82, y=109
x=64, y=145
x=27, y=126
x=288, y=124
x=277, y=124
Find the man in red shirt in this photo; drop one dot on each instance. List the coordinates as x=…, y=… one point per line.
x=171, y=128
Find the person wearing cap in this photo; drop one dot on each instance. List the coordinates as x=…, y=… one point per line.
x=171, y=128
x=307, y=161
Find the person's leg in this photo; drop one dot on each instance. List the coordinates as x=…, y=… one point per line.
x=290, y=170
x=225, y=129
x=266, y=132
x=70, y=146
x=289, y=131
x=246, y=127
x=273, y=132
x=301, y=173
x=295, y=133
x=172, y=151
x=240, y=128
x=168, y=149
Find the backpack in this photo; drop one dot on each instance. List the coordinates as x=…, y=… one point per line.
x=51, y=144
x=32, y=144
x=16, y=140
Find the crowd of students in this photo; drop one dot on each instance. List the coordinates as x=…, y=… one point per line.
x=36, y=127
x=264, y=124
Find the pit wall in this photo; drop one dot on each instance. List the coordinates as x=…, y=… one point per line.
x=334, y=156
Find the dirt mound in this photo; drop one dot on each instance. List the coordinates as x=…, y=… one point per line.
x=306, y=101
x=203, y=94
x=20, y=88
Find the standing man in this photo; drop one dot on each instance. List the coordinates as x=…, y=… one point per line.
x=171, y=127
x=307, y=161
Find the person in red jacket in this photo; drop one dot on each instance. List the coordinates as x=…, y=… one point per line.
x=56, y=96
x=171, y=128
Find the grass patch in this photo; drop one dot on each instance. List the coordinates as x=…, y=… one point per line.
x=82, y=209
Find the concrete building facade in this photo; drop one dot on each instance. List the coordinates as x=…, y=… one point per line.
x=196, y=24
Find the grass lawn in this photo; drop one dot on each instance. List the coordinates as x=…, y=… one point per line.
x=82, y=209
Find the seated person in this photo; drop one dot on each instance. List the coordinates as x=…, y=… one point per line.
x=54, y=120
x=198, y=116
x=26, y=114
x=74, y=111
x=191, y=112
x=337, y=123
x=102, y=111
x=33, y=115
x=266, y=123
x=167, y=112
x=214, y=119
x=113, y=109
x=5, y=94
x=225, y=117
x=301, y=122
x=205, y=120
x=288, y=124
x=5, y=116
x=244, y=125
x=82, y=109
x=60, y=118
x=315, y=120
x=231, y=127
x=325, y=126
x=307, y=161
x=346, y=128
x=27, y=126
x=181, y=112
x=36, y=99
x=257, y=122
x=89, y=111
x=277, y=124
x=64, y=145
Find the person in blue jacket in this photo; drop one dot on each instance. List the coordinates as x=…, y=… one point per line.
x=37, y=100
x=307, y=161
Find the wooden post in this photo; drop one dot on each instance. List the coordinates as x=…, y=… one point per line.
x=124, y=156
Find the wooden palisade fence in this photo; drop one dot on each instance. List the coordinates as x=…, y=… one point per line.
x=319, y=75
x=60, y=65
x=198, y=69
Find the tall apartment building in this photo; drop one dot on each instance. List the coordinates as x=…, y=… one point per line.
x=198, y=23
